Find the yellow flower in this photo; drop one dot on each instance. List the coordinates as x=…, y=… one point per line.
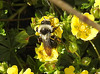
x=12, y=70
x=54, y=22
x=42, y=55
x=97, y=3
x=84, y=72
x=44, y=17
x=28, y=71
x=58, y=32
x=69, y=70
x=81, y=29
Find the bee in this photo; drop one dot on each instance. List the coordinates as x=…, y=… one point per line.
x=45, y=30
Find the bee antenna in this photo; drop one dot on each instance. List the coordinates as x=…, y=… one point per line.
x=44, y=18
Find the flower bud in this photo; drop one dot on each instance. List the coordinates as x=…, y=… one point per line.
x=95, y=11
x=3, y=67
x=86, y=61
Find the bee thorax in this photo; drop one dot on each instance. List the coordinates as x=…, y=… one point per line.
x=44, y=29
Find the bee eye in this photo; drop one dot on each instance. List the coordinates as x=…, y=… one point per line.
x=46, y=22
x=37, y=29
x=42, y=22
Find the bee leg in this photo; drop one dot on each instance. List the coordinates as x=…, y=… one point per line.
x=37, y=29
x=53, y=37
x=53, y=43
x=39, y=39
x=54, y=29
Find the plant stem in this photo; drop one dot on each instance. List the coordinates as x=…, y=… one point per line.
x=95, y=49
x=77, y=54
x=66, y=7
x=18, y=11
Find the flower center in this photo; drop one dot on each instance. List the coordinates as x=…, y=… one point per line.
x=82, y=28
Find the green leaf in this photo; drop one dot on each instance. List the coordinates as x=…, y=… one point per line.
x=8, y=46
x=34, y=65
x=1, y=4
x=65, y=14
x=61, y=49
x=4, y=49
x=30, y=61
x=29, y=30
x=85, y=6
x=48, y=67
x=79, y=2
x=4, y=42
x=22, y=37
x=73, y=47
x=62, y=58
x=2, y=32
x=82, y=47
x=4, y=53
x=3, y=68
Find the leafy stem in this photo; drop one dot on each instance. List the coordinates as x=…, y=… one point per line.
x=95, y=49
x=77, y=54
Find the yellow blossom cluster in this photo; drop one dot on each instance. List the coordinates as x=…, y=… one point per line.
x=97, y=3
x=84, y=72
x=40, y=51
x=71, y=69
x=81, y=29
x=43, y=57
x=14, y=70
x=54, y=23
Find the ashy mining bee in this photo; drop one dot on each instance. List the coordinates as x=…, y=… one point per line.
x=45, y=30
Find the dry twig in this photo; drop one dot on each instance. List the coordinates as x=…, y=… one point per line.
x=69, y=9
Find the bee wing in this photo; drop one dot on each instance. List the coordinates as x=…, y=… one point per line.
x=47, y=47
x=46, y=42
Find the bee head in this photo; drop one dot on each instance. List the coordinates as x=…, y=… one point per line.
x=45, y=30
x=45, y=27
x=45, y=22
